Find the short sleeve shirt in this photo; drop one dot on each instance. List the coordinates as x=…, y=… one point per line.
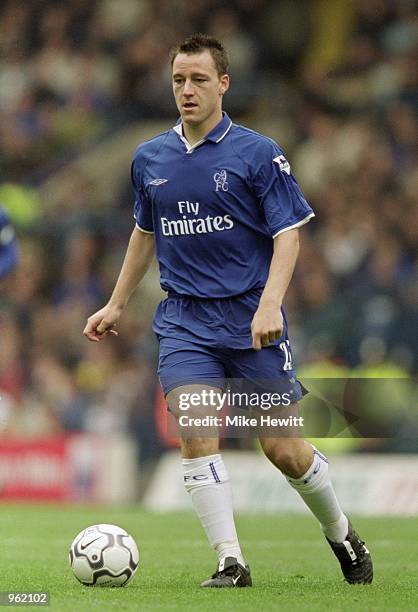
x=215, y=207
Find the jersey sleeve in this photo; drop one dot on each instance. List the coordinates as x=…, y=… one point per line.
x=280, y=196
x=142, y=206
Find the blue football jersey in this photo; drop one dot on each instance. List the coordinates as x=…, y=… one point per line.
x=215, y=208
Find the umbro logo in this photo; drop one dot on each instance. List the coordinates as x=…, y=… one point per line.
x=158, y=182
x=283, y=163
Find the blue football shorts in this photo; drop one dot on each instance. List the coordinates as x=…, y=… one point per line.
x=202, y=342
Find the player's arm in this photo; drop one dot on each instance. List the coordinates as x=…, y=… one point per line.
x=267, y=323
x=138, y=257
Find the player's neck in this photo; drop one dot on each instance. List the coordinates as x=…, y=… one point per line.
x=195, y=133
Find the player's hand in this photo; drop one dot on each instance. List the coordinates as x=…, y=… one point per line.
x=266, y=326
x=102, y=323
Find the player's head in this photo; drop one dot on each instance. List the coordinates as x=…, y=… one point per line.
x=200, y=77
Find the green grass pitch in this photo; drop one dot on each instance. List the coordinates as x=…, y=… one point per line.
x=292, y=566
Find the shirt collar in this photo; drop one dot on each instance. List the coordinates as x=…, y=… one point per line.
x=215, y=135
x=220, y=130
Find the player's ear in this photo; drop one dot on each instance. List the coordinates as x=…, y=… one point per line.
x=223, y=84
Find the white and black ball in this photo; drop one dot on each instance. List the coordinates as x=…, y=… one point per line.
x=104, y=555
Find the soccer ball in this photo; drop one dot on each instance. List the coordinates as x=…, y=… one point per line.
x=104, y=555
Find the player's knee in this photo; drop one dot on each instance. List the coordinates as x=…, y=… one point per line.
x=286, y=461
x=287, y=457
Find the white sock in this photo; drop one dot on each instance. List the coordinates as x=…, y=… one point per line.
x=206, y=479
x=317, y=492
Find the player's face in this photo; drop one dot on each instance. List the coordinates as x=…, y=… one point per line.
x=198, y=89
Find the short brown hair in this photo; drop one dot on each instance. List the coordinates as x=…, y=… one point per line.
x=197, y=43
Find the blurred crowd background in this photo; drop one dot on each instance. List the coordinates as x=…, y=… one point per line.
x=335, y=83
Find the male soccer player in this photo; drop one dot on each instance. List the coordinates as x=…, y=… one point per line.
x=222, y=208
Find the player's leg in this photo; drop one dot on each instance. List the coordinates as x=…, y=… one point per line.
x=205, y=476
x=305, y=468
x=207, y=481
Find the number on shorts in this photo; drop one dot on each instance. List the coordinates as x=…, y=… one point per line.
x=285, y=346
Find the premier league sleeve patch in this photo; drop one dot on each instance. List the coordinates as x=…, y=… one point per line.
x=283, y=164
